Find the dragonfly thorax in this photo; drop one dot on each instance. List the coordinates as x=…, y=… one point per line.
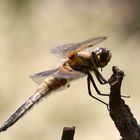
x=81, y=62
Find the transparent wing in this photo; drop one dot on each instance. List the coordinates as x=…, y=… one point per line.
x=41, y=76
x=61, y=72
x=63, y=51
x=89, y=43
x=67, y=73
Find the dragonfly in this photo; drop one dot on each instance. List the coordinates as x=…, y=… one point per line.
x=76, y=64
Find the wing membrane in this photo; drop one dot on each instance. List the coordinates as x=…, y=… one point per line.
x=61, y=72
x=63, y=51
x=41, y=76
x=89, y=43
x=68, y=73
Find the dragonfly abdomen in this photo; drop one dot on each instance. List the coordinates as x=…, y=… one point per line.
x=45, y=89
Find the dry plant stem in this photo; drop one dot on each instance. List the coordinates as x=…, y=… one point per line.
x=119, y=111
x=68, y=133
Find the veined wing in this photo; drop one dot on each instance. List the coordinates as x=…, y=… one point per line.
x=64, y=50
x=41, y=76
x=61, y=72
x=66, y=72
x=89, y=43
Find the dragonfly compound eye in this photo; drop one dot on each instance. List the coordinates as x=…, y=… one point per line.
x=103, y=56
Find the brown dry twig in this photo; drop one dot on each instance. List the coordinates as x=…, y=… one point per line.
x=119, y=111
x=68, y=133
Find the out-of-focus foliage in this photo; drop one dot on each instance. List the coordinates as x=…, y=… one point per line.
x=30, y=28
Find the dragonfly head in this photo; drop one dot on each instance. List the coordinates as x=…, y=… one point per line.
x=103, y=56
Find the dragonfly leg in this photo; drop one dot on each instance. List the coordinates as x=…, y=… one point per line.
x=93, y=83
x=97, y=90
x=100, y=78
x=90, y=93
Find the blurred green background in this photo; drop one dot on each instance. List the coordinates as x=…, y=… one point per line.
x=30, y=28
